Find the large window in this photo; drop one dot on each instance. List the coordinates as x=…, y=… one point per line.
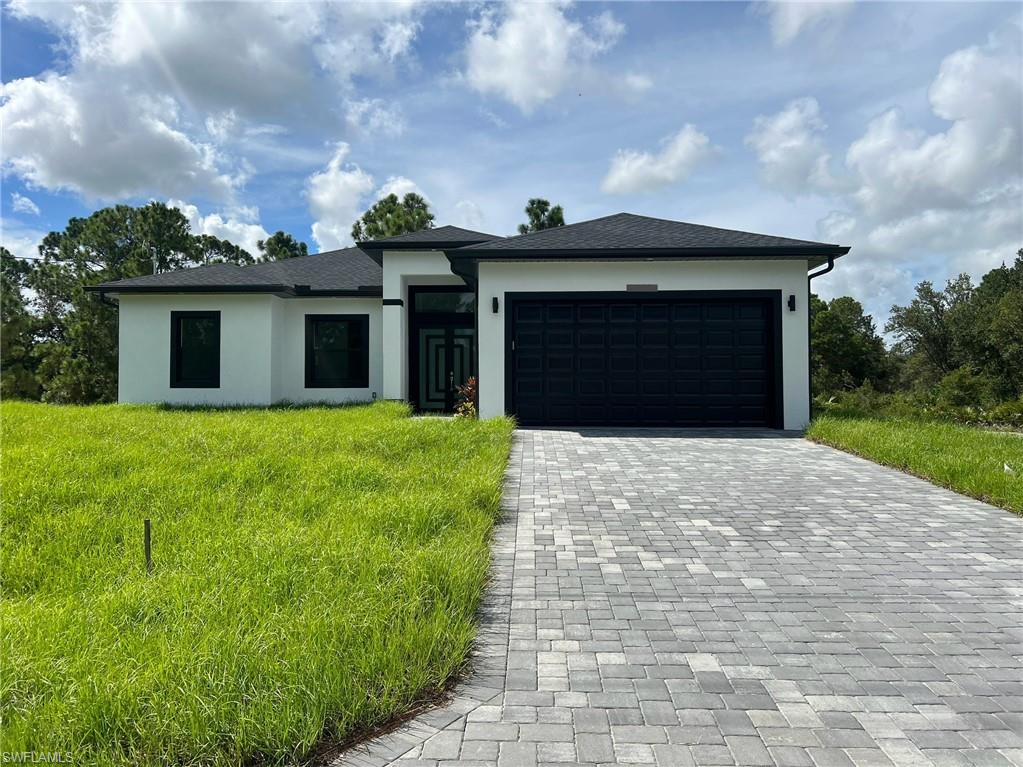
x=336, y=351
x=195, y=350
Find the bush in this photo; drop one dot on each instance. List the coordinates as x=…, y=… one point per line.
x=965, y=387
x=925, y=405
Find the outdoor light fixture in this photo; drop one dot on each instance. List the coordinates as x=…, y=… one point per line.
x=495, y=304
x=792, y=303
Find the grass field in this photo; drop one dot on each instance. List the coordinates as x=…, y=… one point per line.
x=966, y=459
x=317, y=571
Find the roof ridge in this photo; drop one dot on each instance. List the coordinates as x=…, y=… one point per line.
x=723, y=229
x=519, y=237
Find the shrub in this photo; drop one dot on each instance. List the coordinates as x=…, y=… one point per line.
x=965, y=387
x=922, y=405
x=468, y=407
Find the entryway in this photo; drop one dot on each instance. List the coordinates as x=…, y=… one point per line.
x=442, y=345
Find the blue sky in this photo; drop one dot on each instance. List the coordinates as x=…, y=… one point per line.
x=891, y=127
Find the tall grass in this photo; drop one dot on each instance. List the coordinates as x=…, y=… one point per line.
x=981, y=463
x=317, y=571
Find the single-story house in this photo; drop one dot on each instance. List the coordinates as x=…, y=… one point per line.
x=624, y=320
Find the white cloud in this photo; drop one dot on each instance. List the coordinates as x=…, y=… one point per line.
x=21, y=240
x=915, y=204
x=341, y=192
x=633, y=171
x=375, y=117
x=790, y=18
x=222, y=127
x=637, y=82
x=263, y=60
x=22, y=204
x=900, y=169
x=178, y=83
x=336, y=199
x=100, y=140
x=468, y=215
x=400, y=186
x=529, y=52
x=790, y=148
x=239, y=225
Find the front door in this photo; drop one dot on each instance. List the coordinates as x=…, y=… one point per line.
x=442, y=346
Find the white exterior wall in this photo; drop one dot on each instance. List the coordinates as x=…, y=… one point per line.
x=401, y=269
x=262, y=348
x=291, y=349
x=497, y=279
x=263, y=337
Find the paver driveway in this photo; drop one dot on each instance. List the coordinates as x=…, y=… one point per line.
x=683, y=597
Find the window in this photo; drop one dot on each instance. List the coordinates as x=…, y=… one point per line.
x=336, y=351
x=450, y=302
x=195, y=350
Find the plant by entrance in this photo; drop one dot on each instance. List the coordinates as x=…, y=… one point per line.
x=468, y=404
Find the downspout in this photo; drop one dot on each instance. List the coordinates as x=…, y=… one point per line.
x=809, y=332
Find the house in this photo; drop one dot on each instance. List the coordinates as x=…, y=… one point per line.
x=624, y=320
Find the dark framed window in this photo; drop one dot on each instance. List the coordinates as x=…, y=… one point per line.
x=336, y=351
x=444, y=301
x=195, y=350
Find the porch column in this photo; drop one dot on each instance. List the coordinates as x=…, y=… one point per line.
x=394, y=348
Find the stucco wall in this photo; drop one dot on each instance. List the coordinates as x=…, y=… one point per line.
x=144, y=332
x=497, y=279
x=291, y=349
x=262, y=348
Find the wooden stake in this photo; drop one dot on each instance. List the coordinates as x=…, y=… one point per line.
x=149, y=546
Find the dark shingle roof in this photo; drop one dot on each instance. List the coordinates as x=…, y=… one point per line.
x=349, y=270
x=626, y=231
x=450, y=236
x=354, y=271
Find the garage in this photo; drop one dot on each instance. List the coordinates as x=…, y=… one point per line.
x=709, y=359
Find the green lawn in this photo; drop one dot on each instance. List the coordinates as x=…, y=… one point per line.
x=967, y=459
x=317, y=571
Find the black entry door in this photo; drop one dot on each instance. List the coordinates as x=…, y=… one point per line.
x=446, y=360
x=679, y=359
x=442, y=345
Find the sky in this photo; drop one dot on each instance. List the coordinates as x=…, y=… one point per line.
x=894, y=128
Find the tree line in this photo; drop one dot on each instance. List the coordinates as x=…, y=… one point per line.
x=956, y=351
x=58, y=343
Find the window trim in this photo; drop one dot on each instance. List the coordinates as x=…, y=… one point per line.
x=176, y=382
x=360, y=381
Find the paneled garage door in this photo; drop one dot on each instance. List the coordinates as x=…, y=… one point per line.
x=664, y=359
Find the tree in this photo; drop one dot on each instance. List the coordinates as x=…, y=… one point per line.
x=542, y=216
x=929, y=326
x=990, y=329
x=388, y=218
x=847, y=350
x=17, y=331
x=76, y=332
x=281, y=245
x=213, y=250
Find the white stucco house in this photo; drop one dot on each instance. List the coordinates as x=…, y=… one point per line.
x=620, y=321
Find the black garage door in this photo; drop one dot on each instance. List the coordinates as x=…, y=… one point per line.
x=681, y=359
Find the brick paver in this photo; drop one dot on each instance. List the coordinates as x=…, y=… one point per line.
x=692, y=597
